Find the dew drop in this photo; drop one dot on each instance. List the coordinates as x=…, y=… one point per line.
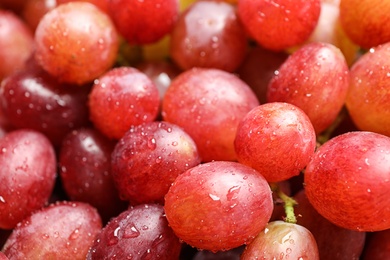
x=116, y=231
x=75, y=234
x=131, y=232
x=2, y=199
x=214, y=197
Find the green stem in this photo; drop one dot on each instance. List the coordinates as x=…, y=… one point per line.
x=289, y=204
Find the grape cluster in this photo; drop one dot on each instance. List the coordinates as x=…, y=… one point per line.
x=194, y=129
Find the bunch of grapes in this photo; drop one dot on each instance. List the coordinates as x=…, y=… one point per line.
x=194, y=129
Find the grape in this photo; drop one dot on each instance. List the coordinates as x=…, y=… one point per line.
x=16, y=43
x=34, y=10
x=333, y=241
x=218, y=205
x=3, y=256
x=142, y=22
x=282, y=240
x=121, y=98
x=76, y=42
x=209, y=104
x=141, y=232
x=369, y=92
x=85, y=171
x=366, y=22
x=329, y=30
x=277, y=25
x=277, y=139
x=258, y=69
x=148, y=158
x=161, y=73
x=208, y=35
x=377, y=246
x=357, y=164
x=63, y=230
x=33, y=99
x=102, y=4
x=315, y=79
x=27, y=174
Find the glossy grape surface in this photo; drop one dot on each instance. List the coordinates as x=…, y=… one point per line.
x=218, y=205
x=64, y=230
x=208, y=35
x=121, y=98
x=357, y=166
x=76, y=42
x=85, y=171
x=27, y=173
x=316, y=79
x=280, y=24
x=140, y=232
x=277, y=139
x=282, y=240
x=209, y=104
x=148, y=158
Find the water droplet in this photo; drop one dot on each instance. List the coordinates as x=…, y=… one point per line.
x=233, y=192
x=131, y=232
x=45, y=236
x=158, y=159
x=2, y=199
x=214, y=197
x=152, y=143
x=366, y=161
x=75, y=234
x=116, y=231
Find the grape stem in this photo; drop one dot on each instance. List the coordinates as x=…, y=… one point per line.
x=326, y=135
x=289, y=203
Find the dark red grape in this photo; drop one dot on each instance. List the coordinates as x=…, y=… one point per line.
x=141, y=232
x=218, y=205
x=16, y=43
x=85, y=171
x=209, y=104
x=121, y=98
x=378, y=246
x=333, y=241
x=64, y=230
x=27, y=175
x=208, y=34
x=259, y=68
x=141, y=22
x=282, y=240
x=277, y=139
x=348, y=178
x=33, y=99
x=148, y=158
x=279, y=24
x=315, y=79
x=76, y=42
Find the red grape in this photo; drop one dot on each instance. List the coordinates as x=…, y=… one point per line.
x=315, y=79
x=208, y=34
x=148, y=158
x=377, y=246
x=121, y=98
x=141, y=22
x=16, y=43
x=348, y=178
x=141, y=232
x=218, y=205
x=34, y=10
x=76, y=42
x=277, y=139
x=3, y=256
x=282, y=240
x=333, y=241
x=85, y=171
x=27, y=174
x=368, y=98
x=102, y=4
x=279, y=24
x=366, y=22
x=63, y=230
x=259, y=68
x=31, y=98
x=209, y=104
